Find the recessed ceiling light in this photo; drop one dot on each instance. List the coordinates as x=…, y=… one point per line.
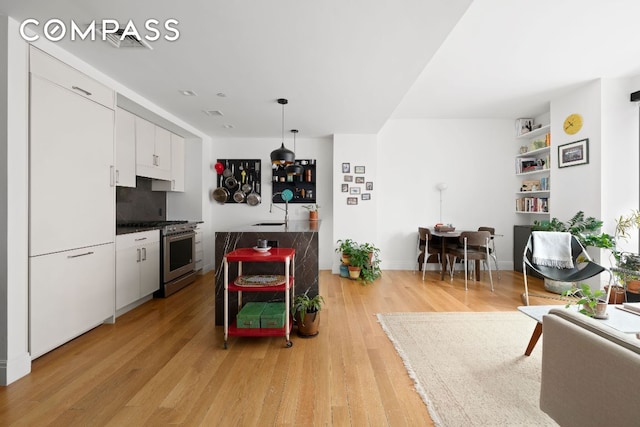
x=213, y=112
x=221, y=94
x=228, y=126
x=188, y=92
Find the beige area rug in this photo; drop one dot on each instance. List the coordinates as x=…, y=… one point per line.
x=470, y=368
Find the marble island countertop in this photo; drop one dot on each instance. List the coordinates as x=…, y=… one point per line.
x=277, y=226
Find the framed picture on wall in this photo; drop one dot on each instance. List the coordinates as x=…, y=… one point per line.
x=345, y=188
x=352, y=200
x=358, y=169
x=366, y=196
x=354, y=190
x=346, y=167
x=369, y=186
x=573, y=153
x=359, y=179
x=348, y=178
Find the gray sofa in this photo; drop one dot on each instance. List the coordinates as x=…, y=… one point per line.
x=590, y=372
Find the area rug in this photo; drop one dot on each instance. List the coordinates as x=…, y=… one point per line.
x=470, y=368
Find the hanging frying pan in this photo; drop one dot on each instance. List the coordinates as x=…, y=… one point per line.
x=239, y=195
x=253, y=199
x=231, y=181
x=221, y=194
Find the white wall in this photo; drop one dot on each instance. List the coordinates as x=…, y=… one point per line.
x=356, y=222
x=224, y=217
x=607, y=186
x=474, y=157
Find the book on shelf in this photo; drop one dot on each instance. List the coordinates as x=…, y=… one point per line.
x=532, y=204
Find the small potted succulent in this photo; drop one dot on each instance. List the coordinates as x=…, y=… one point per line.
x=313, y=211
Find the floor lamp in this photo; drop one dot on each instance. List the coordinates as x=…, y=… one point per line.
x=441, y=187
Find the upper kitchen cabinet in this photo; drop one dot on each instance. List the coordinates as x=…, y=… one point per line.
x=177, y=167
x=153, y=150
x=125, y=148
x=72, y=193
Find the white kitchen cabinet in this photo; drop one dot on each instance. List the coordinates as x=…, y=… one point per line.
x=72, y=194
x=137, y=266
x=70, y=293
x=125, y=148
x=177, y=167
x=58, y=72
x=153, y=150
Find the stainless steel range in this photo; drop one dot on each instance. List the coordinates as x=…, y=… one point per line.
x=177, y=257
x=177, y=253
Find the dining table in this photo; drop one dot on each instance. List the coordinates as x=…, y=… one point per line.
x=447, y=237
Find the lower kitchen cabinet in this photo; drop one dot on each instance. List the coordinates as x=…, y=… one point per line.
x=137, y=266
x=71, y=292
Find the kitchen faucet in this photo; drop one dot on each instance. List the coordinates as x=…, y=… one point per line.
x=286, y=209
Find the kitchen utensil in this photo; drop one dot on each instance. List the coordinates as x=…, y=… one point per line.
x=253, y=199
x=246, y=187
x=243, y=173
x=219, y=167
x=227, y=172
x=239, y=195
x=231, y=181
x=221, y=194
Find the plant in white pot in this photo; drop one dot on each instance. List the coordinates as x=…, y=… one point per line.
x=594, y=303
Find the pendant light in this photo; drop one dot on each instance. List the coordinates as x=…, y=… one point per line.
x=294, y=169
x=282, y=156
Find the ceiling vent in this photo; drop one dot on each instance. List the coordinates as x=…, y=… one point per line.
x=213, y=112
x=118, y=40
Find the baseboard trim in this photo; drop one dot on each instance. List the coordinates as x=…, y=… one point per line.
x=14, y=369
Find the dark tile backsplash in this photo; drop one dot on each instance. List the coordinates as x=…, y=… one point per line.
x=140, y=203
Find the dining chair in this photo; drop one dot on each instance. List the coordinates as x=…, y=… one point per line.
x=425, y=249
x=492, y=246
x=473, y=246
x=563, y=245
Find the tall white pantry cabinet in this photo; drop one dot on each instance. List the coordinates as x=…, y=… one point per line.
x=72, y=203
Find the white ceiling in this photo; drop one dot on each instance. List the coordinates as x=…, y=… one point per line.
x=348, y=66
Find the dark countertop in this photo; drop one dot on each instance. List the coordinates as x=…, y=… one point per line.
x=297, y=226
x=129, y=230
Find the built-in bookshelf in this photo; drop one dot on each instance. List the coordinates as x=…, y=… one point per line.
x=532, y=166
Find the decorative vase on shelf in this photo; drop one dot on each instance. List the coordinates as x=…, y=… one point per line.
x=313, y=215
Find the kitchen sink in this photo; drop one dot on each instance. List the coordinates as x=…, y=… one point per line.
x=270, y=223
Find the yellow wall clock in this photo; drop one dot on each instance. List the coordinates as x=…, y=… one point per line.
x=572, y=124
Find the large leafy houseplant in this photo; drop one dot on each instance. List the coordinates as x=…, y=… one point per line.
x=585, y=229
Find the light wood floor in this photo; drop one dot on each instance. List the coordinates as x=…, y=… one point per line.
x=164, y=363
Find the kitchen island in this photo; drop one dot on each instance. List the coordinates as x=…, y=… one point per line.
x=299, y=235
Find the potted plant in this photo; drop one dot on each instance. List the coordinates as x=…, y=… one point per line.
x=313, y=211
x=592, y=302
x=307, y=314
x=627, y=263
x=371, y=270
x=358, y=259
x=345, y=247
